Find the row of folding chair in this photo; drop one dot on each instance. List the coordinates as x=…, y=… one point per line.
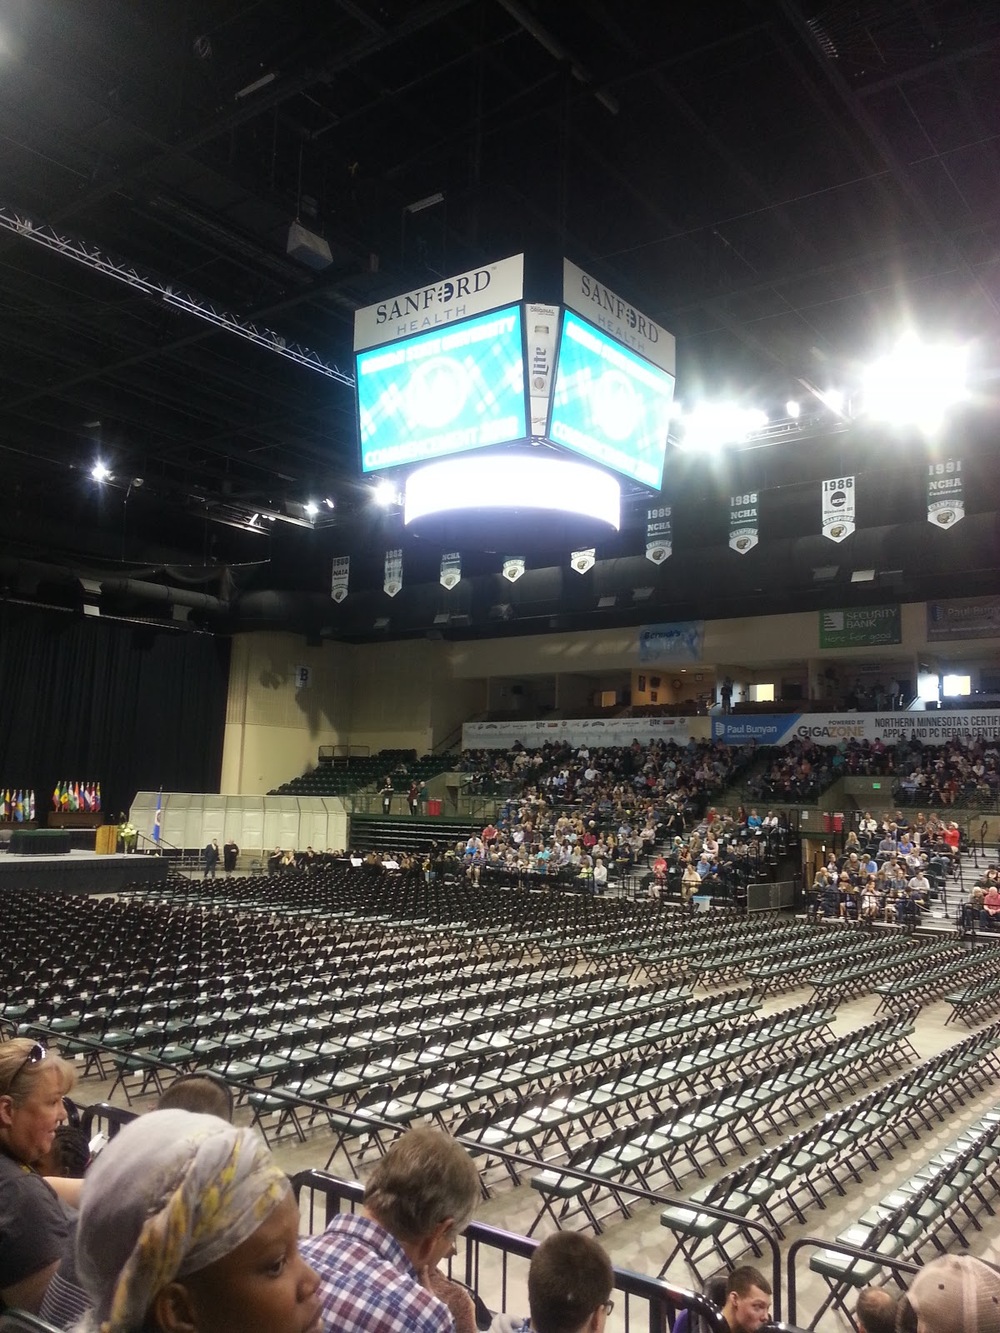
x=898, y=954
x=974, y=1003
x=976, y=968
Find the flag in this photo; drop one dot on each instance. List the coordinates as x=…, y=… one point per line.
x=659, y=534
x=837, y=510
x=97, y=795
x=55, y=796
x=31, y=805
x=158, y=817
x=945, y=493
x=64, y=797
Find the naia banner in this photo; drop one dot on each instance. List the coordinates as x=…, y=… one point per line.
x=838, y=508
x=339, y=577
x=393, y=572
x=659, y=534
x=743, y=532
x=451, y=570
x=945, y=494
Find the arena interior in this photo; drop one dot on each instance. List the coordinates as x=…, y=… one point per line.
x=651, y=850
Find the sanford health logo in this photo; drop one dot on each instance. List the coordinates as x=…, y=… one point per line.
x=441, y=294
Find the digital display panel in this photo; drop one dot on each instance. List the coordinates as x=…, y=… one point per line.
x=610, y=404
x=456, y=388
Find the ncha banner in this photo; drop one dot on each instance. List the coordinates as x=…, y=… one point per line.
x=451, y=570
x=659, y=534
x=945, y=493
x=743, y=522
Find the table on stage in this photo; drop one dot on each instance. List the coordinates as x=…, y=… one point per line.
x=40, y=842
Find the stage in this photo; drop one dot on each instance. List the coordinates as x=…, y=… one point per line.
x=79, y=872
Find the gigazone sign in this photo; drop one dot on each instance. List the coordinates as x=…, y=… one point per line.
x=931, y=728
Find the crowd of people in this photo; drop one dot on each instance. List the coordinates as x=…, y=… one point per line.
x=962, y=771
x=184, y=1223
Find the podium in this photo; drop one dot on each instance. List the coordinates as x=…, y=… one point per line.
x=106, y=842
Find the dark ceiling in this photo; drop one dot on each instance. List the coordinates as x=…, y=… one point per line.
x=780, y=183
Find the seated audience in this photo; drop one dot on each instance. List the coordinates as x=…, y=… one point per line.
x=187, y=1224
x=33, y=1225
x=374, y=1265
x=875, y=1311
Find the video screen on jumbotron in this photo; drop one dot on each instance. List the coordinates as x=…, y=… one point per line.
x=609, y=403
x=456, y=388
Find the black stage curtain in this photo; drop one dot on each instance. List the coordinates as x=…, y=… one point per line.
x=98, y=700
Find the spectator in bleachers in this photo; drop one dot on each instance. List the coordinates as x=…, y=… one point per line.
x=374, y=1265
x=952, y=1294
x=33, y=1083
x=748, y=1300
x=569, y=1285
x=875, y=1311
x=182, y=1216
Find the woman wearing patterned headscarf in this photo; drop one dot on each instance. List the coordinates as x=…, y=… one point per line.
x=188, y=1226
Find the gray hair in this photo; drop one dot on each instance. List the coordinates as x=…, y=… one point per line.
x=424, y=1178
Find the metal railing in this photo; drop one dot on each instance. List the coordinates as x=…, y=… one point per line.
x=494, y=1264
x=890, y=1265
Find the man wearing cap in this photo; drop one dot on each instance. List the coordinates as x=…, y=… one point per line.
x=952, y=1294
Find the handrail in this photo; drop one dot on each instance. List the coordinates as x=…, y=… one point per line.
x=663, y=1298
x=762, y=1234
x=836, y=1247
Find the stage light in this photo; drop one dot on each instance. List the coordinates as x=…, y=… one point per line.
x=311, y=508
x=713, y=425
x=916, y=383
x=385, y=494
x=793, y=409
x=100, y=472
x=329, y=503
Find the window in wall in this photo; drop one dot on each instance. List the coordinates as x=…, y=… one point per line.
x=653, y=696
x=762, y=694
x=953, y=686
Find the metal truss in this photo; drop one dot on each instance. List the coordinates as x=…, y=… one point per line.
x=94, y=258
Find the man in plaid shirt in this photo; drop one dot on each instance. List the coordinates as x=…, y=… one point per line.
x=374, y=1265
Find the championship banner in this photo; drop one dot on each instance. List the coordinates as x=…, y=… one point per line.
x=743, y=531
x=340, y=577
x=393, y=573
x=513, y=568
x=945, y=493
x=581, y=561
x=680, y=641
x=659, y=534
x=451, y=570
x=838, y=508
x=541, y=326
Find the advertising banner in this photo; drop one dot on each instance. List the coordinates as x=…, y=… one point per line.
x=470, y=293
x=513, y=568
x=681, y=641
x=451, y=570
x=931, y=728
x=963, y=618
x=945, y=493
x=590, y=732
x=340, y=575
x=838, y=508
x=393, y=573
x=618, y=317
x=581, y=561
x=541, y=329
x=860, y=627
x=659, y=534
x=743, y=529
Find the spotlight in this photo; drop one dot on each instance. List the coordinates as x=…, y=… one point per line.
x=385, y=494
x=916, y=383
x=100, y=472
x=329, y=503
x=311, y=508
x=793, y=409
x=713, y=425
